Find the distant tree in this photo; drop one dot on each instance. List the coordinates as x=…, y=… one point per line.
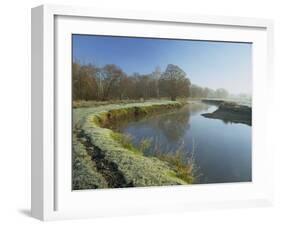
x=137, y=91
x=89, y=83
x=131, y=87
x=221, y=93
x=143, y=86
x=120, y=87
x=156, y=74
x=76, y=83
x=200, y=92
x=84, y=81
x=210, y=92
x=196, y=91
x=173, y=82
x=110, y=74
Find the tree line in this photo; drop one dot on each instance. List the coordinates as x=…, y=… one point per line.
x=204, y=92
x=110, y=82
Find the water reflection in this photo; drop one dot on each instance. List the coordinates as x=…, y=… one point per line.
x=174, y=126
x=222, y=149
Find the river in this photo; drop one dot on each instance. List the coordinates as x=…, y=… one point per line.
x=222, y=150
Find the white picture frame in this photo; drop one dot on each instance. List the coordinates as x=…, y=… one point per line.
x=52, y=197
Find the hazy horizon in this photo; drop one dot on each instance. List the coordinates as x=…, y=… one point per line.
x=210, y=64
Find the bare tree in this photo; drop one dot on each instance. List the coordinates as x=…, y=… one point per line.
x=156, y=76
x=173, y=82
x=84, y=81
x=110, y=76
x=110, y=82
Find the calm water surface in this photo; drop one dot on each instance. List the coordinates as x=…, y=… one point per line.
x=222, y=150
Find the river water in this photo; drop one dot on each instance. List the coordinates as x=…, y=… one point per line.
x=222, y=150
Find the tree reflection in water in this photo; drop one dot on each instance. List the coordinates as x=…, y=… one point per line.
x=174, y=125
x=170, y=126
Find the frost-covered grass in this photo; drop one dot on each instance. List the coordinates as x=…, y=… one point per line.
x=85, y=173
x=94, y=103
x=136, y=168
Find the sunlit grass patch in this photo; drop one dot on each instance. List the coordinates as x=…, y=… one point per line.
x=184, y=168
x=125, y=140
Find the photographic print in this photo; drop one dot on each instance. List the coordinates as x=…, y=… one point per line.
x=160, y=112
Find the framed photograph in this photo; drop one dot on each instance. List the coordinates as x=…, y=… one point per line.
x=141, y=112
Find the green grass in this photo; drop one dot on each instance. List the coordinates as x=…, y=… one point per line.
x=184, y=170
x=125, y=141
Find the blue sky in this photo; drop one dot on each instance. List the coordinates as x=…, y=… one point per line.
x=208, y=64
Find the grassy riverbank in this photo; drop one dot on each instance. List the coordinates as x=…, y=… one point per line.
x=101, y=159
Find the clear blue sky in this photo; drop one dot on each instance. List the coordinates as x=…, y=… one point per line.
x=208, y=64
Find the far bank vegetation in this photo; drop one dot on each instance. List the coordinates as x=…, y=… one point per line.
x=110, y=82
